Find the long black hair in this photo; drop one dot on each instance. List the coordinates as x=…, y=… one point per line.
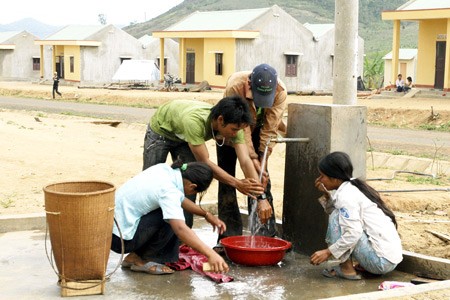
x=338, y=165
x=198, y=173
x=234, y=110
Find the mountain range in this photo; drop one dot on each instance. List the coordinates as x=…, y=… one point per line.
x=376, y=33
x=31, y=25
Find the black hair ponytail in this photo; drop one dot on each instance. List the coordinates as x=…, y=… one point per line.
x=375, y=197
x=198, y=173
x=338, y=165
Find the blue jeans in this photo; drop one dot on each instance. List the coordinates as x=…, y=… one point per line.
x=156, y=150
x=363, y=252
x=227, y=202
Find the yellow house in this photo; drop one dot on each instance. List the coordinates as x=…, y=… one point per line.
x=208, y=43
x=407, y=65
x=87, y=54
x=215, y=44
x=433, y=57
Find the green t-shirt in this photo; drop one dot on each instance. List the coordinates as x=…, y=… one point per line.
x=186, y=120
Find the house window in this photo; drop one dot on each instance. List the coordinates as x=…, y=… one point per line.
x=219, y=63
x=122, y=59
x=159, y=64
x=332, y=65
x=36, y=63
x=72, y=64
x=291, y=65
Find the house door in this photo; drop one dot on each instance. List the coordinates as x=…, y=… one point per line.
x=440, y=65
x=403, y=71
x=60, y=66
x=190, y=67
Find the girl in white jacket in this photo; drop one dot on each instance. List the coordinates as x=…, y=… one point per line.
x=360, y=225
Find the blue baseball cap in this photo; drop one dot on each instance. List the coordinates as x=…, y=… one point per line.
x=264, y=85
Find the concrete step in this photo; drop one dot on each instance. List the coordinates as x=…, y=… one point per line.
x=413, y=93
x=407, y=163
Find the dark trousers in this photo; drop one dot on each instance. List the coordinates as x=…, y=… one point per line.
x=156, y=150
x=55, y=90
x=154, y=240
x=227, y=202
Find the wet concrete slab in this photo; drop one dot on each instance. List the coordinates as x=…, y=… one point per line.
x=28, y=274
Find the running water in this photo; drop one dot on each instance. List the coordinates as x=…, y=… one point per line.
x=254, y=223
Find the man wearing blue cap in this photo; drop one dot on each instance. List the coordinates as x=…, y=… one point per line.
x=266, y=96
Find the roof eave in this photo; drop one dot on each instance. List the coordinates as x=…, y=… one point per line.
x=67, y=43
x=7, y=47
x=423, y=14
x=238, y=34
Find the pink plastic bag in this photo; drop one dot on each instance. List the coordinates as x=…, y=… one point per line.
x=388, y=285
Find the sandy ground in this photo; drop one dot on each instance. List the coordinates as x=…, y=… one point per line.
x=41, y=148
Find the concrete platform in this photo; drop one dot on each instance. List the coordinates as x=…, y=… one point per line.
x=407, y=163
x=413, y=93
x=28, y=274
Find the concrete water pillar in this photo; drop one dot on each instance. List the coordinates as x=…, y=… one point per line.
x=329, y=128
x=340, y=126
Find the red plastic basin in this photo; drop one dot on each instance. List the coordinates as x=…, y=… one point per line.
x=255, y=250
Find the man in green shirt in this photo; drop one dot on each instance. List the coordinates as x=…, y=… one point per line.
x=181, y=128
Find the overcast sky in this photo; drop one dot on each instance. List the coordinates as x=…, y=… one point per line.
x=84, y=12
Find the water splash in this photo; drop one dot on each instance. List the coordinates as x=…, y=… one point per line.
x=254, y=223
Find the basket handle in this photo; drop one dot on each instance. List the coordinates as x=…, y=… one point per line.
x=105, y=278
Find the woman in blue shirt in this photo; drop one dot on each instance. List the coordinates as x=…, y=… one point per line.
x=149, y=213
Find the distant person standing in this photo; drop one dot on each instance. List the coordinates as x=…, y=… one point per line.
x=56, y=85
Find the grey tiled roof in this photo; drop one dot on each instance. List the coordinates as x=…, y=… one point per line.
x=6, y=35
x=425, y=4
x=218, y=20
x=75, y=32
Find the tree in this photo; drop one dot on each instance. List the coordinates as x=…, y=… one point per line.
x=374, y=71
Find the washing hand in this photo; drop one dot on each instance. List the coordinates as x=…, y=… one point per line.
x=250, y=187
x=264, y=210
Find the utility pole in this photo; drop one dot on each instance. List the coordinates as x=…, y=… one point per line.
x=345, y=72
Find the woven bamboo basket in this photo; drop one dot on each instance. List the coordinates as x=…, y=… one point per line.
x=80, y=218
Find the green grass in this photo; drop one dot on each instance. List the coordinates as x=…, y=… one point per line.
x=398, y=152
x=427, y=180
x=430, y=127
x=8, y=201
x=444, y=127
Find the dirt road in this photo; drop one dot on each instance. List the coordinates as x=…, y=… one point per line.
x=384, y=139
